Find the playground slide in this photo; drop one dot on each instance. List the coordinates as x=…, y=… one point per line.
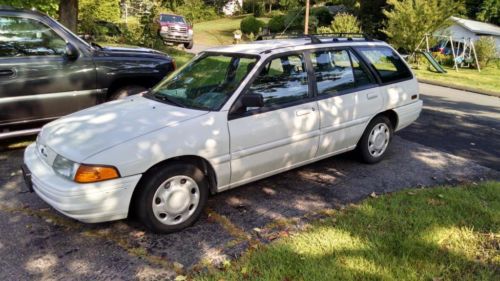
x=433, y=62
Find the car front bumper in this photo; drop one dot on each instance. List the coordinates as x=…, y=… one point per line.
x=92, y=203
x=176, y=37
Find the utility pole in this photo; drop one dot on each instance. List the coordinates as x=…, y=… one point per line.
x=306, y=21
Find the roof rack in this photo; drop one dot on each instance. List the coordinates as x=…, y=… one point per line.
x=315, y=38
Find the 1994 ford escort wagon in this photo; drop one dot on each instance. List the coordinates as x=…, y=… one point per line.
x=230, y=116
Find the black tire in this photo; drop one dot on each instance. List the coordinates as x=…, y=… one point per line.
x=126, y=91
x=189, y=45
x=153, y=181
x=363, y=147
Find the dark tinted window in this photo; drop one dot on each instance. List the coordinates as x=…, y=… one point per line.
x=386, y=62
x=282, y=80
x=337, y=70
x=27, y=37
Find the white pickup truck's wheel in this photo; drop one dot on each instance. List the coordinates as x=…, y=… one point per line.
x=171, y=198
x=375, y=140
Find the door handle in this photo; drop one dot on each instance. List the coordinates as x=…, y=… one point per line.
x=305, y=111
x=6, y=72
x=371, y=96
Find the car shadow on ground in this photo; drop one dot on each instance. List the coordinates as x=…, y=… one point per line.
x=52, y=245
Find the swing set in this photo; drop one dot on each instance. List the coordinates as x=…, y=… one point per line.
x=463, y=52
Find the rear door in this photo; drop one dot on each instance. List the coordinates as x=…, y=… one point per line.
x=37, y=80
x=348, y=97
x=283, y=133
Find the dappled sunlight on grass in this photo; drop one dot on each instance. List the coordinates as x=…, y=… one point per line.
x=400, y=236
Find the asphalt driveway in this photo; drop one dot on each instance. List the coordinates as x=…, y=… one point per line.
x=38, y=243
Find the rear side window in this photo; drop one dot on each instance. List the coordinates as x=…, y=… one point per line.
x=26, y=37
x=389, y=66
x=337, y=70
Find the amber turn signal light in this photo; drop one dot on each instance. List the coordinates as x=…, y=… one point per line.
x=88, y=174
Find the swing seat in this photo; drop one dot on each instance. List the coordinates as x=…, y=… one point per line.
x=469, y=60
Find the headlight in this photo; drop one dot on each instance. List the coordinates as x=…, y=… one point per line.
x=83, y=173
x=64, y=167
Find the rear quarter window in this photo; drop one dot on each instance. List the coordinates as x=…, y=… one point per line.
x=389, y=65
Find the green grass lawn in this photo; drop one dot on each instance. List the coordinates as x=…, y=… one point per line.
x=488, y=79
x=219, y=31
x=422, y=234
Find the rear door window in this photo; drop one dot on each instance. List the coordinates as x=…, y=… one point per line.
x=389, y=66
x=338, y=70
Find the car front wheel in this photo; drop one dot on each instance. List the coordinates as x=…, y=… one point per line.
x=189, y=45
x=373, y=144
x=172, y=198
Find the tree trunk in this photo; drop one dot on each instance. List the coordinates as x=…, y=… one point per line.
x=68, y=13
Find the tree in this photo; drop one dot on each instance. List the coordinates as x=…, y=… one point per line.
x=344, y=22
x=489, y=11
x=372, y=17
x=45, y=6
x=68, y=14
x=409, y=20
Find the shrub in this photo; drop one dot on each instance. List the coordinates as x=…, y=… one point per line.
x=251, y=25
x=486, y=50
x=197, y=11
x=323, y=29
x=276, y=24
x=344, y=22
x=323, y=15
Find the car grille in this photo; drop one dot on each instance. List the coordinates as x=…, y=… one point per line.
x=177, y=29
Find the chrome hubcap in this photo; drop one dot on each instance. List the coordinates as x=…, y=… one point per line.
x=175, y=200
x=379, y=139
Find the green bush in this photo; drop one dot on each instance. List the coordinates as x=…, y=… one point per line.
x=486, y=50
x=197, y=11
x=344, y=22
x=277, y=24
x=251, y=25
x=323, y=15
x=323, y=29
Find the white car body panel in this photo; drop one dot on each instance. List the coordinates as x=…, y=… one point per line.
x=137, y=133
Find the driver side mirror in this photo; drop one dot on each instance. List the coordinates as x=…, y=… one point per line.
x=252, y=100
x=71, y=52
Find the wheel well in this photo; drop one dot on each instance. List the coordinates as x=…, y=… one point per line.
x=145, y=82
x=197, y=161
x=393, y=117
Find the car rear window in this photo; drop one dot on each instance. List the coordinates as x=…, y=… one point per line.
x=389, y=66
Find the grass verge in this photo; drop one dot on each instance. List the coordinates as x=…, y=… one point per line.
x=487, y=79
x=426, y=234
x=219, y=31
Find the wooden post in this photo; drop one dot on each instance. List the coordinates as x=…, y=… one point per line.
x=427, y=42
x=454, y=57
x=475, y=54
x=306, y=21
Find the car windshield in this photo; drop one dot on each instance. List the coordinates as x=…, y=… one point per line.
x=172, y=18
x=206, y=82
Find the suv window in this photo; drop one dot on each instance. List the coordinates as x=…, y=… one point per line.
x=386, y=62
x=334, y=71
x=28, y=37
x=172, y=18
x=282, y=80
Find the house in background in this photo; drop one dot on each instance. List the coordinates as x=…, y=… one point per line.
x=232, y=7
x=465, y=28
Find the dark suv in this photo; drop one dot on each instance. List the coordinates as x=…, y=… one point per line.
x=46, y=71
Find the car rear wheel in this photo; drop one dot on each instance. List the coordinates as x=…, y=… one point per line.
x=126, y=91
x=172, y=198
x=375, y=140
x=189, y=45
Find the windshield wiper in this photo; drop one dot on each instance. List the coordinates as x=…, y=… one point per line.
x=168, y=99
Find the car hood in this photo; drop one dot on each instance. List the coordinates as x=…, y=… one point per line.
x=130, y=51
x=90, y=131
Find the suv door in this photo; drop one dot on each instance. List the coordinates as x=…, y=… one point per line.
x=37, y=80
x=284, y=132
x=348, y=97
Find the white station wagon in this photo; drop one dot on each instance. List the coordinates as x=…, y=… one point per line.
x=230, y=116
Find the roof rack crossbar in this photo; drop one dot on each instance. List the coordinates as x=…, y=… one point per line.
x=315, y=38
